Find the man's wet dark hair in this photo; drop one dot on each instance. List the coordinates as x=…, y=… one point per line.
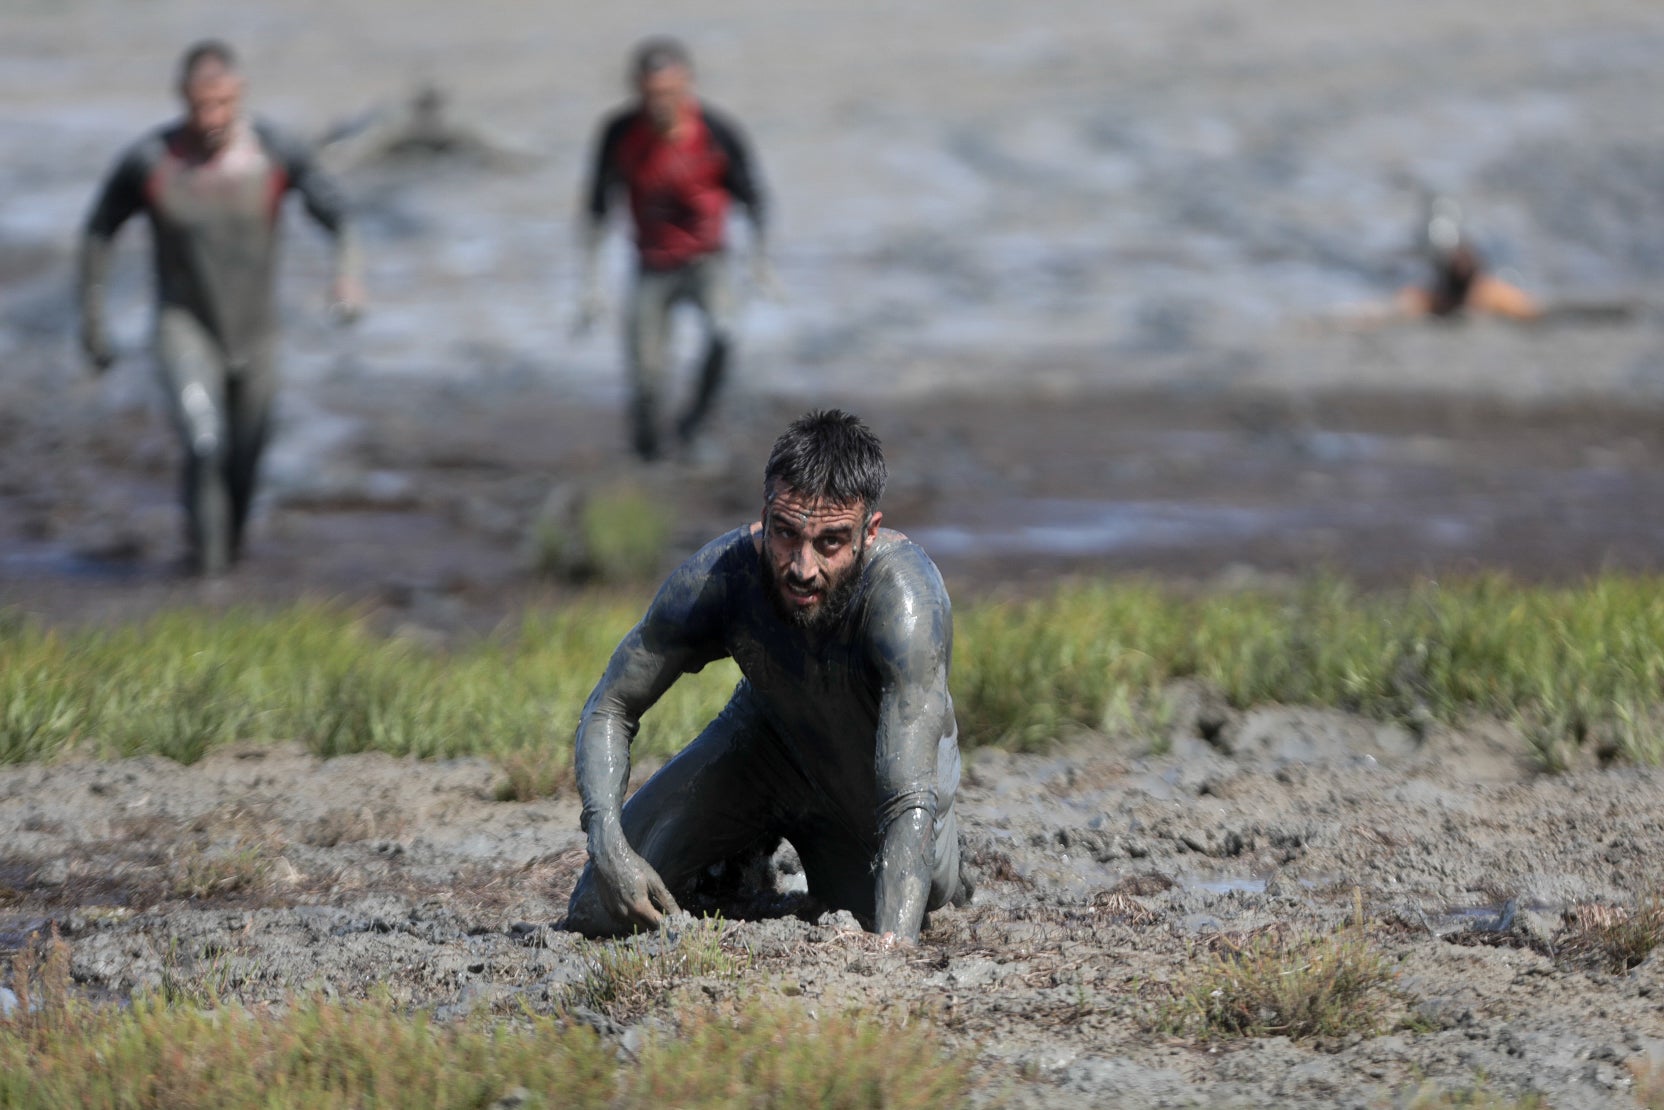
x=830, y=455
x=215, y=51
x=656, y=53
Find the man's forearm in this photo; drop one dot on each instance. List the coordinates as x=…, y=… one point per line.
x=904, y=874
x=91, y=273
x=591, y=230
x=349, y=258
x=601, y=764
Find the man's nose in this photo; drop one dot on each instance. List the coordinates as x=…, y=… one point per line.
x=803, y=561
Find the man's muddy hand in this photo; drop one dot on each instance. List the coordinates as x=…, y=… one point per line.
x=590, y=308
x=629, y=889
x=346, y=300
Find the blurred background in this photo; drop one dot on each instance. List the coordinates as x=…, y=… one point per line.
x=1099, y=275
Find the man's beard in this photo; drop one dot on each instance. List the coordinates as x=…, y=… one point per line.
x=832, y=606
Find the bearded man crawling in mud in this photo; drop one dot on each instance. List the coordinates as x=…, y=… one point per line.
x=840, y=737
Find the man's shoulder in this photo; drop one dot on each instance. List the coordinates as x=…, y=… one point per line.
x=615, y=122
x=697, y=593
x=149, y=148
x=732, y=552
x=899, y=567
x=279, y=143
x=732, y=541
x=723, y=127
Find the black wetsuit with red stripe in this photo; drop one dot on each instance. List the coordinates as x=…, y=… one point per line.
x=679, y=186
x=215, y=223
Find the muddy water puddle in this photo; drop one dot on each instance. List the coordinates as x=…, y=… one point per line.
x=1383, y=494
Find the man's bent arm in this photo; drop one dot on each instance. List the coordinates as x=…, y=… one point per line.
x=744, y=184
x=912, y=642
x=326, y=204
x=592, y=220
x=741, y=178
x=121, y=195
x=671, y=640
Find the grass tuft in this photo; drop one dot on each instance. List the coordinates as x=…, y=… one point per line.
x=1611, y=937
x=528, y=776
x=625, y=978
x=1275, y=986
x=1431, y=1096
x=191, y=1052
x=619, y=533
x=781, y=1056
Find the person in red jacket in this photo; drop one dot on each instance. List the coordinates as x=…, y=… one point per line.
x=680, y=165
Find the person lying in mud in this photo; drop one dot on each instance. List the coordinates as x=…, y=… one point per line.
x=418, y=133
x=840, y=737
x=1459, y=282
x=212, y=185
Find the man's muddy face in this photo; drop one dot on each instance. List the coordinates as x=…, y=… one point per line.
x=813, y=551
x=663, y=93
x=213, y=100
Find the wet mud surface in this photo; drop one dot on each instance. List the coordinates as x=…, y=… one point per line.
x=432, y=503
x=1102, y=875
x=1092, y=277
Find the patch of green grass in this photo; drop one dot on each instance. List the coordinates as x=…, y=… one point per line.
x=1580, y=664
x=625, y=978
x=1276, y=987
x=619, y=533
x=1478, y=1096
x=1611, y=937
x=528, y=775
x=239, y=867
x=1576, y=667
x=780, y=1056
x=185, y=683
x=58, y=1051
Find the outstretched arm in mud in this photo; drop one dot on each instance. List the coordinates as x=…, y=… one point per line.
x=664, y=646
x=912, y=642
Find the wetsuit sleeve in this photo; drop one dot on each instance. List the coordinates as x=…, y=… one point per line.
x=322, y=197
x=604, y=174
x=741, y=179
x=910, y=636
x=120, y=196
x=679, y=634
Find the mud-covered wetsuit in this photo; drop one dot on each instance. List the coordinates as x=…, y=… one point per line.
x=843, y=742
x=679, y=188
x=214, y=221
x=1453, y=282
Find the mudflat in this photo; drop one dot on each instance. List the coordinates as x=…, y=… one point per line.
x=1094, y=274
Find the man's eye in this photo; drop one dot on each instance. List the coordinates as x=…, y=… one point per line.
x=828, y=546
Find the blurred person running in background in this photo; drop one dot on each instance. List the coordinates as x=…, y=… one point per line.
x=679, y=163
x=212, y=184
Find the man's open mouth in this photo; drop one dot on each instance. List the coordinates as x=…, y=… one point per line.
x=803, y=594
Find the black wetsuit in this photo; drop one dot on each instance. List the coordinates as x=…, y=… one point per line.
x=214, y=228
x=843, y=741
x=1452, y=284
